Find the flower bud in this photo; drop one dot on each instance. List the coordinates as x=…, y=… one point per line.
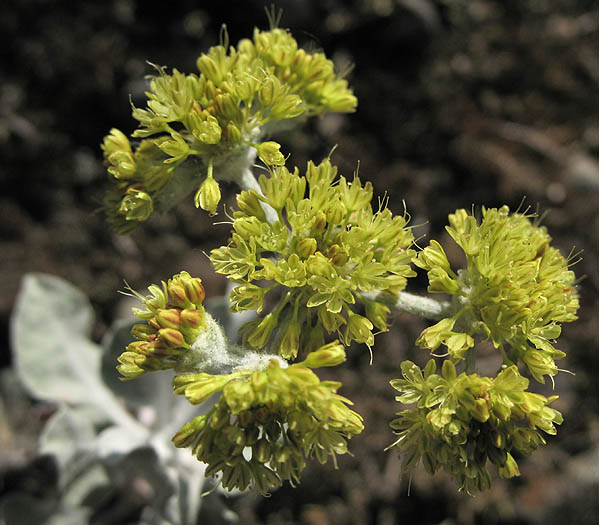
x=262, y=414
x=142, y=347
x=262, y=451
x=239, y=395
x=122, y=164
x=209, y=68
x=289, y=107
x=320, y=222
x=208, y=196
x=289, y=346
x=306, y=247
x=510, y=469
x=261, y=333
x=116, y=141
x=197, y=388
x=335, y=213
x=220, y=418
x=252, y=434
x=432, y=337
x=246, y=418
x=248, y=227
x=194, y=290
x=233, y=133
x=143, y=332
x=176, y=292
x=480, y=412
x=192, y=318
x=273, y=430
x=169, y=318
x=172, y=338
x=299, y=421
x=433, y=256
x=284, y=454
x=269, y=91
x=227, y=107
x=177, y=148
x=337, y=255
x=332, y=354
x=234, y=435
x=498, y=456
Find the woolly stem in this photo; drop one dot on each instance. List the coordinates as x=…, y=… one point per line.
x=212, y=353
x=421, y=306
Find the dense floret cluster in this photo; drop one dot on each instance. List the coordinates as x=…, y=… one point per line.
x=463, y=421
x=515, y=290
x=325, y=250
x=174, y=316
x=199, y=128
x=268, y=422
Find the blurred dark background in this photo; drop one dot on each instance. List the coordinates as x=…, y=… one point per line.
x=461, y=103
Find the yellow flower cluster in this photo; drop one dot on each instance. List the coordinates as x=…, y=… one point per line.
x=174, y=317
x=268, y=422
x=516, y=289
x=325, y=250
x=462, y=421
x=197, y=124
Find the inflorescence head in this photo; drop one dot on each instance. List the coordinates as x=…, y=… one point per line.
x=268, y=422
x=193, y=123
x=515, y=290
x=174, y=317
x=326, y=248
x=463, y=421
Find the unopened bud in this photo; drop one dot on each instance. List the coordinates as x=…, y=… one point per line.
x=251, y=434
x=336, y=213
x=177, y=293
x=337, y=255
x=359, y=329
x=262, y=451
x=169, y=318
x=171, y=337
x=480, y=412
x=195, y=290
x=332, y=354
x=260, y=335
x=269, y=91
x=289, y=346
x=320, y=222
x=115, y=141
x=233, y=132
x=234, y=435
x=209, y=68
x=245, y=418
x=510, y=469
x=208, y=196
x=142, y=332
x=306, y=247
x=192, y=318
x=249, y=203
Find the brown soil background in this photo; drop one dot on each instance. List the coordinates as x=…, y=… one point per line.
x=461, y=103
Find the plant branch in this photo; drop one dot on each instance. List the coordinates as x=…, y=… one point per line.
x=421, y=306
